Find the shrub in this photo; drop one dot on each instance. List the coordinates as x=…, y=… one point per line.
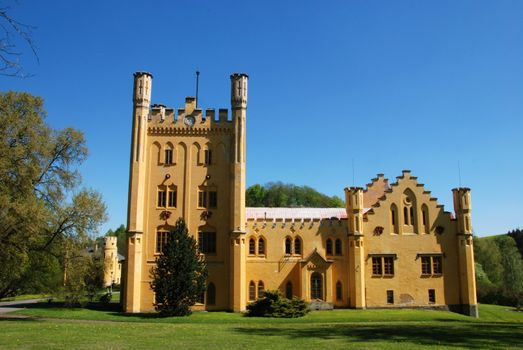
x=273, y=304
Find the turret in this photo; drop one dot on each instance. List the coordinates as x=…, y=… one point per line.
x=238, y=217
x=110, y=260
x=239, y=90
x=142, y=89
x=136, y=211
x=462, y=208
x=354, y=202
x=467, y=274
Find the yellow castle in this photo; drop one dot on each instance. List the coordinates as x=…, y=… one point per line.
x=392, y=246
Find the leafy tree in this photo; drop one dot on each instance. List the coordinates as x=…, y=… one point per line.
x=178, y=279
x=41, y=207
x=513, y=269
x=273, y=304
x=277, y=194
x=499, y=270
x=517, y=234
x=488, y=254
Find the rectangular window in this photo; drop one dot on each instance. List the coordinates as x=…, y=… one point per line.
x=436, y=265
x=425, y=265
x=161, y=198
x=208, y=157
x=388, y=265
x=431, y=264
x=161, y=240
x=390, y=297
x=202, y=199
x=171, y=198
x=207, y=242
x=168, y=156
x=432, y=296
x=376, y=266
x=383, y=266
x=213, y=199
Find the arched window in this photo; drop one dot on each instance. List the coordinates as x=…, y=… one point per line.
x=261, y=246
x=316, y=286
x=339, y=291
x=297, y=245
x=329, y=246
x=394, y=219
x=337, y=247
x=410, y=212
x=425, y=218
x=288, y=290
x=211, y=294
x=261, y=288
x=252, y=291
x=252, y=246
x=288, y=244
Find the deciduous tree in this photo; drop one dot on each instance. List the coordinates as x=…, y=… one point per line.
x=41, y=205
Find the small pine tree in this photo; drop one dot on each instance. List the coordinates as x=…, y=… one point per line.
x=180, y=273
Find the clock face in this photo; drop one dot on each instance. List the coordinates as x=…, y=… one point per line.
x=189, y=120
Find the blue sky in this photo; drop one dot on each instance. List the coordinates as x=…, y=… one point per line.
x=388, y=85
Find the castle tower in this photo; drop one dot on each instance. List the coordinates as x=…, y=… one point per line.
x=110, y=254
x=462, y=209
x=135, y=211
x=238, y=295
x=354, y=202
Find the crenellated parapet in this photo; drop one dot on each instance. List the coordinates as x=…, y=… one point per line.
x=188, y=121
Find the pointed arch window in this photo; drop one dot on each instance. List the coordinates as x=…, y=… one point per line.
x=261, y=288
x=288, y=246
x=297, y=246
x=211, y=294
x=288, y=290
x=261, y=246
x=394, y=219
x=339, y=291
x=425, y=218
x=338, y=247
x=252, y=246
x=252, y=291
x=329, y=246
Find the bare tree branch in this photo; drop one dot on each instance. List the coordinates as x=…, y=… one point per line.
x=13, y=30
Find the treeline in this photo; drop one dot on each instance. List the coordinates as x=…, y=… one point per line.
x=499, y=269
x=278, y=194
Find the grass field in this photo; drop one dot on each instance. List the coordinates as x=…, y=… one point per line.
x=58, y=328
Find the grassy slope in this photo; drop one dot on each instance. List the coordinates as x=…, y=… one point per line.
x=377, y=329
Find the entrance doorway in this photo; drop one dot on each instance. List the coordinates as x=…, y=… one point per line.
x=316, y=286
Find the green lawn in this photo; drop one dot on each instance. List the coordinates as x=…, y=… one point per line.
x=498, y=327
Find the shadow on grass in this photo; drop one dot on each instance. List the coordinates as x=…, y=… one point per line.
x=61, y=305
x=477, y=335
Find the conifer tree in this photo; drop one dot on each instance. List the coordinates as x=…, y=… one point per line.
x=180, y=273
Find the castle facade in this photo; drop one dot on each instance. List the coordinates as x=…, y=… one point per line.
x=392, y=246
